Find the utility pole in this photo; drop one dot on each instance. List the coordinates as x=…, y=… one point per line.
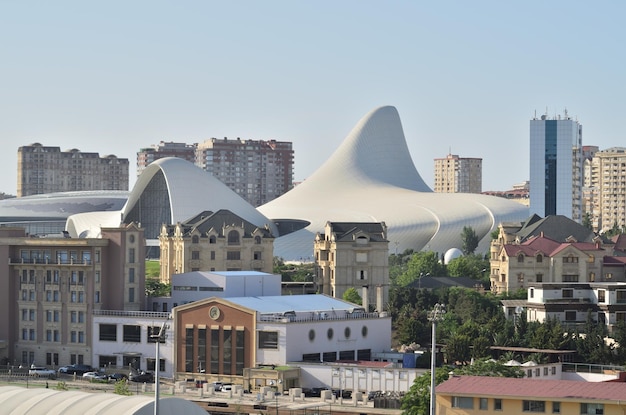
x=435, y=315
x=157, y=363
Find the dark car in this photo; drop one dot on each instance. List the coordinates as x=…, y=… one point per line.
x=75, y=369
x=144, y=377
x=116, y=377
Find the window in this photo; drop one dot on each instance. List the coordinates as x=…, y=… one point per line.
x=131, y=275
x=212, y=239
x=195, y=255
x=131, y=295
x=482, y=404
x=362, y=275
x=463, y=402
x=539, y=258
x=131, y=255
x=257, y=240
x=601, y=296
x=531, y=293
x=570, y=260
x=233, y=256
x=233, y=238
x=556, y=407
x=257, y=255
x=570, y=278
x=553, y=370
x=212, y=255
x=620, y=296
x=194, y=239
x=268, y=340
x=153, y=333
x=132, y=333
x=570, y=316
x=73, y=316
x=591, y=409
x=539, y=277
x=520, y=278
x=534, y=406
x=189, y=350
x=497, y=404
x=567, y=293
x=108, y=332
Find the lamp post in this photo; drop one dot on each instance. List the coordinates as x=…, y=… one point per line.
x=157, y=362
x=435, y=315
x=420, y=279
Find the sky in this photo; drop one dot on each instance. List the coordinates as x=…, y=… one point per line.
x=466, y=77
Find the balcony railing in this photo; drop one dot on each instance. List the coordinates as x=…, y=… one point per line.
x=52, y=261
x=142, y=314
x=317, y=317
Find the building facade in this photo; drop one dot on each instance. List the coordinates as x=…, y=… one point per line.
x=556, y=167
x=42, y=169
x=607, y=190
x=454, y=174
x=147, y=155
x=53, y=285
x=353, y=254
x=215, y=241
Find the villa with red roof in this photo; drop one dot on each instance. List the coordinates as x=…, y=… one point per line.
x=461, y=395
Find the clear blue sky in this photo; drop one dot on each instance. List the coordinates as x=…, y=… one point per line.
x=114, y=76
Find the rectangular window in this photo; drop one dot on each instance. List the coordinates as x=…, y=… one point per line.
x=591, y=409
x=151, y=367
x=201, y=350
x=567, y=293
x=131, y=275
x=258, y=255
x=482, y=404
x=464, y=402
x=81, y=337
x=153, y=335
x=601, y=296
x=131, y=294
x=268, y=340
x=239, y=352
x=497, y=404
x=81, y=296
x=233, y=255
x=212, y=255
x=189, y=350
x=556, y=407
x=81, y=316
x=132, y=334
x=131, y=255
x=73, y=337
x=570, y=278
x=73, y=316
x=215, y=351
x=620, y=296
x=570, y=316
x=55, y=296
x=534, y=406
x=108, y=332
x=195, y=255
x=228, y=352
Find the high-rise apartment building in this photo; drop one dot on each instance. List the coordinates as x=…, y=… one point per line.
x=42, y=169
x=608, y=187
x=556, y=167
x=164, y=149
x=257, y=170
x=454, y=174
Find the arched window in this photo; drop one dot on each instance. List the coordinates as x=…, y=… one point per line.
x=212, y=239
x=520, y=258
x=257, y=240
x=539, y=258
x=194, y=239
x=233, y=238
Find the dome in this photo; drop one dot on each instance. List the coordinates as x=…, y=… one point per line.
x=451, y=254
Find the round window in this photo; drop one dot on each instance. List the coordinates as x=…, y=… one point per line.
x=364, y=331
x=346, y=332
x=330, y=333
x=311, y=335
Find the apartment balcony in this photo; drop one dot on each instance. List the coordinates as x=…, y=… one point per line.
x=50, y=261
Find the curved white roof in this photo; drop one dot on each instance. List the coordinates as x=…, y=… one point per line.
x=371, y=178
x=35, y=401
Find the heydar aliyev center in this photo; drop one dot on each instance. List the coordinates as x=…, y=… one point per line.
x=369, y=178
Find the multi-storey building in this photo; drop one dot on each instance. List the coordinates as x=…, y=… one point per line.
x=542, y=260
x=43, y=169
x=53, y=285
x=147, y=155
x=608, y=187
x=454, y=174
x=215, y=241
x=353, y=254
x=556, y=167
x=258, y=171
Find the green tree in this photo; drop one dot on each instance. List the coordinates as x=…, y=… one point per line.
x=352, y=295
x=473, y=266
x=488, y=367
x=587, y=221
x=420, y=264
x=155, y=288
x=417, y=400
x=121, y=388
x=469, y=239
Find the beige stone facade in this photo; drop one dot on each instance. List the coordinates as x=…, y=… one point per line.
x=605, y=198
x=353, y=254
x=42, y=169
x=220, y=241
x=52, y=286
x=454, y=174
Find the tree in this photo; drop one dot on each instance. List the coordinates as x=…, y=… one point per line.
x=473, y=266
x=420, y=264
x=352, y=296
x=587, y=221
x=487, y=367
x=470, y=240
x=417, y=400
x=156, y=288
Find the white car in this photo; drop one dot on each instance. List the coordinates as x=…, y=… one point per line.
x=94, y=376
x=41, y=371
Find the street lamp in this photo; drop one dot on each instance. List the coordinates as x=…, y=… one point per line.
x=157, y=363
x=435, y=315
x=420, y=279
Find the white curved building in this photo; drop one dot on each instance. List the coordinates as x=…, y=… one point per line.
x=371, y=178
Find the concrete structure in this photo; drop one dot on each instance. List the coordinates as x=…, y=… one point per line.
x=124, y=339
x=606, y=194
x=556, y=167
x=454, y=174
x=351, y=254
x=461, y=395
x=147, y=155
x=215, y=241
x=200, y=285
x=52, y=285
x=245, y=332
x=257, y=170
x=42, y=169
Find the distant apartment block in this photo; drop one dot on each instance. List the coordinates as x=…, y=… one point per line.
x=42, y=169
x=556, y=166
x=454, y=174
x=257, y=170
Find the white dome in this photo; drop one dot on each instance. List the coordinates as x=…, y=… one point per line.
x=451, y=254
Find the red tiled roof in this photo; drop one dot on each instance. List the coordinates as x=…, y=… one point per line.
x=547, y=246
x=533, y=388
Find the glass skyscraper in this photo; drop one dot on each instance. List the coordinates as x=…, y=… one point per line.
x=556, y=166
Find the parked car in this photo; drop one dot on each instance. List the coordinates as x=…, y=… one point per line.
x=75, y=369
x=142, y=376
x=94, y=376
x=116, y=377
x=41, y=371
x=227, y=387
x=217, y=386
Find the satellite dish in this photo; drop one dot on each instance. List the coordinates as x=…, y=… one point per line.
x=519, y=309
